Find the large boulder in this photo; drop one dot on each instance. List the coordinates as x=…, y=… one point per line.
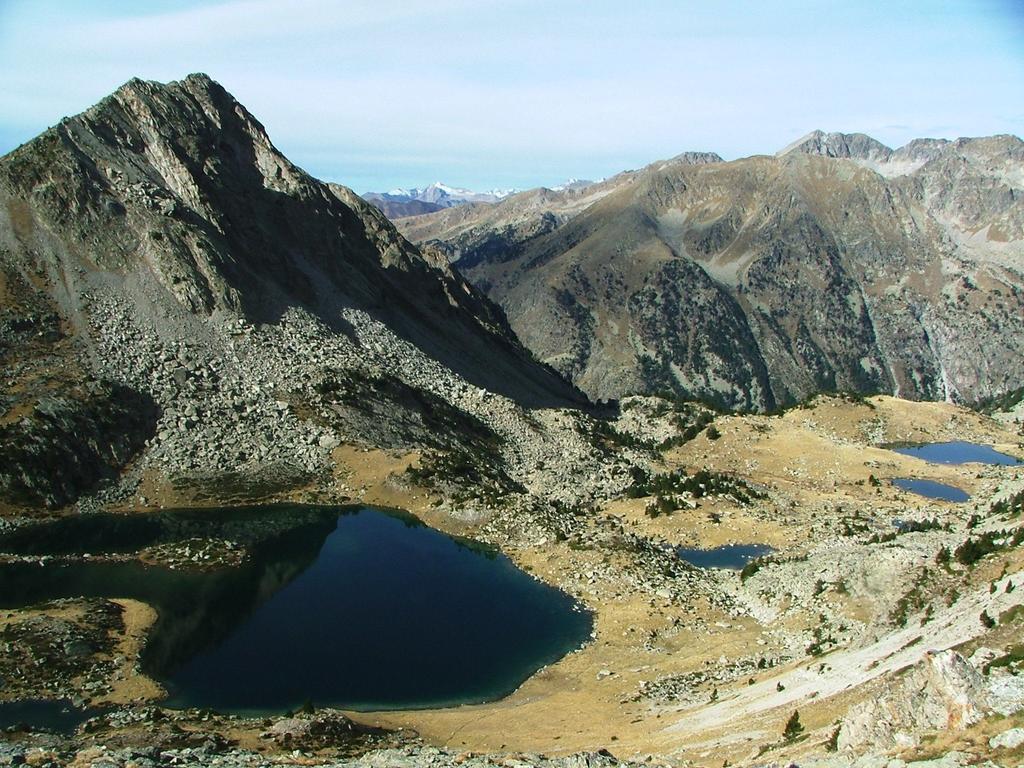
x=943, y=692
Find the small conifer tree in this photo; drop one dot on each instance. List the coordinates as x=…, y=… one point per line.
x=793, y=727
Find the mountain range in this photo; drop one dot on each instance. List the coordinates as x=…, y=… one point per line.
x=836, y=264
x=433, y=197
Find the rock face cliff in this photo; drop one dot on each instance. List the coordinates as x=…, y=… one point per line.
x=179, y=182
x=144, y=242
x=838, y=264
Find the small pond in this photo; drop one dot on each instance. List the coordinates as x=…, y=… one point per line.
x=730, y=556
x=957, y=452
x=57, y=715
x=354, y=608
x=932, y=489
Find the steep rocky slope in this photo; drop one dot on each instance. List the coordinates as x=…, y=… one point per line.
x=469, y=234
x=837, y=264
x=158, y=248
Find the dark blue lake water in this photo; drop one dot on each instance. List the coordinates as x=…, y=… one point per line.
x=52, y=715
x=731, y=556
x=931, y=489
x=957, y=452
x=353, y=608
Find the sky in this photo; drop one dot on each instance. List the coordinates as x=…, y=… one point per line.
x=378, y=94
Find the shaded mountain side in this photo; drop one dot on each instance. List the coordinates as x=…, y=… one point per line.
x=63, y=430
x=179, y=181
x=837, y=265
x=71, y=440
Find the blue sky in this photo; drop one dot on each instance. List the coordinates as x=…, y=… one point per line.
x=496, y=93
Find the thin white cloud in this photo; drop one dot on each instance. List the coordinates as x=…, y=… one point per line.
x=227, y=23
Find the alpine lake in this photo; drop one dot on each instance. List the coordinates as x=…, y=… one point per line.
x=348, y=607
x=954, y=452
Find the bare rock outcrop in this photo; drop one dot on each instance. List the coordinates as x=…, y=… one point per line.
x=943, y=692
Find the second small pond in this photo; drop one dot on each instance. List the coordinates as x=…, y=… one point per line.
x=957, y=452
x=730, y=556
x=932, y=489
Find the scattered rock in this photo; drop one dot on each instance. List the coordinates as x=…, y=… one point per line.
x=1010, y=739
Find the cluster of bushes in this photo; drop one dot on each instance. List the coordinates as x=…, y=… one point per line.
x=820, y=641
x=689, y=418
x=906, y=526
x=661, y=505
x=848, y=396
x=688, y=431
x=605, y=433
x=698, y=485
x=476, y=477
x=882, y=538
x=852, y=526
x=972, y=550
x=1013, y=506
x=920, y=526
x=912, y=601
x=1014, y=657
x=757, y=563
x=1003, y=402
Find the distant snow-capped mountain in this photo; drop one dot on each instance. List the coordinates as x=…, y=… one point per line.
x=441, y=194
x=399, y=203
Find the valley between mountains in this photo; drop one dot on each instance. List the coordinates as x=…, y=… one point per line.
x=695, y=355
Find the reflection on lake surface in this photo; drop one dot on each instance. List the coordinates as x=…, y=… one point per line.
x=353, y=608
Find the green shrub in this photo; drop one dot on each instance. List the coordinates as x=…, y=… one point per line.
x=1013, y=657
x=972, y=550
x=1012, y=506
x=660, y=506
x=832, y=745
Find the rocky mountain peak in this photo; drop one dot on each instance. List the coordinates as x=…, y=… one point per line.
x=921, y=149
x=175, y=191
x=858, y=146
x=191, y=132
x=697, y=158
